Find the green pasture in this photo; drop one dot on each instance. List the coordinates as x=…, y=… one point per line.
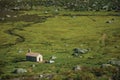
x=58, y=36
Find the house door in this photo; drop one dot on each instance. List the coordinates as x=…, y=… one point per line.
x=39, y=59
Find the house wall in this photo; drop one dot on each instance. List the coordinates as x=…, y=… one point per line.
x=29, y=58
x=39, y=58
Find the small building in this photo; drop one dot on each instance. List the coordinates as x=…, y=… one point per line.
x=34, y=57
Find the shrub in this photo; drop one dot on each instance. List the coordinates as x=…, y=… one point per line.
x=98, y=71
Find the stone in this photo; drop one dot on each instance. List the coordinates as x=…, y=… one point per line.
x=112, y=19
x=76, y=68
x=56, y=10
x=108, y=21
x=81, y=56
x=80, y=51
x=20, y=51
x=20, y=70
x=105, y=65
x=41, y=76
x=15, y=16
x=33, y=65
x=2, y=19
x=8, y=16
x=91, y=57
x=116, y=46
x=46, y=12
x=114, y=62
x=16, y=8
x=53, y=57
x=51, y=61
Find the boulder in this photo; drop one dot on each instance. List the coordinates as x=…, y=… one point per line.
x=2, y=19
x=46, y=12
x=108, y=21
x=33, y=65
x=8, y=16
x=41, y=76
x=116, y=46
x=105, y=65
x=53, y=57
x=78, y=51
x=114, y=62
x=77, y=68
x=16, y=8
x=90, y=57
x=56, y=10
x=20, y=51
x=112, y=19
x=20, y=70
x=51, y=61
x=15, y=16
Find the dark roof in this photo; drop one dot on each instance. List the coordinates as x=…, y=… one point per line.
x=33, y=54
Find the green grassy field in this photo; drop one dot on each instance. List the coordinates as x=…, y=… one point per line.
x=58, y=36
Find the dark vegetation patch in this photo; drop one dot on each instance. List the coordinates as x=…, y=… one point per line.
x=92, y=14
x=9, y=17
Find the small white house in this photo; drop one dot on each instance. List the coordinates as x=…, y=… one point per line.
x=35, y=57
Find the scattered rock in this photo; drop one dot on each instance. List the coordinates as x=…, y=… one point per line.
x=112, y=19
x=46, y=12
x=81, y=56
x=46, y=76
x=108, y=21
x=116, y=46
x=105, y=65
x=114, y=62
x=105, y=7
x=16, y=8
x=49, y=76
x=53, y=57
x=66, y=45
x=91, y=57
x=81, y=45
x=8, y=16
x=33, y=65
x=20, y=51
x=15, y=16
x=78, y=51
x=2, y=19
x=73, y=16
x=51, y=61
x=56, y=10
x=20, y=71
x=41, y=76
x=77, y=68
x=75, y=54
